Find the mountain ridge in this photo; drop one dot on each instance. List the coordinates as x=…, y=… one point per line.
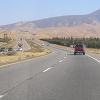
x=59, y=21
x=64, y=26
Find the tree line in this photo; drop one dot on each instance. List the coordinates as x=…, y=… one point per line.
x=88, y=42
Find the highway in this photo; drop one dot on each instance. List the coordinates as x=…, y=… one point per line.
x=57, y=76
x=25, y=45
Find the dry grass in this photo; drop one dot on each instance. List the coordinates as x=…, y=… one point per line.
x=84, y=30
x=91, y=50
x=35, y=51
x=20, y=56
x=11, y=44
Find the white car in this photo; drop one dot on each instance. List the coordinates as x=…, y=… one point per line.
x=43, y=44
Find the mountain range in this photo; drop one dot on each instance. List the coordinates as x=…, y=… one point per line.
x=73, y=24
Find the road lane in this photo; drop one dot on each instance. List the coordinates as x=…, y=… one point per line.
x=16, y=74
x=75, y=78
x=25, y=45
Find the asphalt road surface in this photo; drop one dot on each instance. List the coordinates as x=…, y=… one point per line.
x=57, y=76
x=25, y=45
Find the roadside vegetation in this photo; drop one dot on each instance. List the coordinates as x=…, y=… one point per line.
x=88, y=42
x=8, y=44
x=15, y=56
x=6, y=40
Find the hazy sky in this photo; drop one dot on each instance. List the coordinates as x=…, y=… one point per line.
x=27, y=10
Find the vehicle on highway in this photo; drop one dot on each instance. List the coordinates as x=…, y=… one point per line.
x=10, y=51
x=43, y=44
x=7, y=51
x=19, y=49
x=2, y=49
x=79, y=49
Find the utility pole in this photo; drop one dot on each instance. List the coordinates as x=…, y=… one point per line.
x=5, y=36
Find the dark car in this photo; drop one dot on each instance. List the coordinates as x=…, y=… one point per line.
x=10, y=51
x=3, y=49
x=79, y=49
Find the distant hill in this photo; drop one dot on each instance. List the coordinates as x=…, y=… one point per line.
x=71, y=21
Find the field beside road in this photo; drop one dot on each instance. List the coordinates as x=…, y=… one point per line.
x=35, y=51
x=20, y=56
x=91, y=50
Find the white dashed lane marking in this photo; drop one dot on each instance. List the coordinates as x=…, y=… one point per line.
x=1, y=96
x=47, y=69
x=61, y=61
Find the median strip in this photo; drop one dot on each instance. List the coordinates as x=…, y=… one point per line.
x=35, y=51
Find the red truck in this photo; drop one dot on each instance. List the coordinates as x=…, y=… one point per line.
x=79, y=49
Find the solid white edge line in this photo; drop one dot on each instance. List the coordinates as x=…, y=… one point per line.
x=18, y=62
x=47, y=69
x=93, y=58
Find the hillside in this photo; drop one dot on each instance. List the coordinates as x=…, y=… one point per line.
x=72, y=25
